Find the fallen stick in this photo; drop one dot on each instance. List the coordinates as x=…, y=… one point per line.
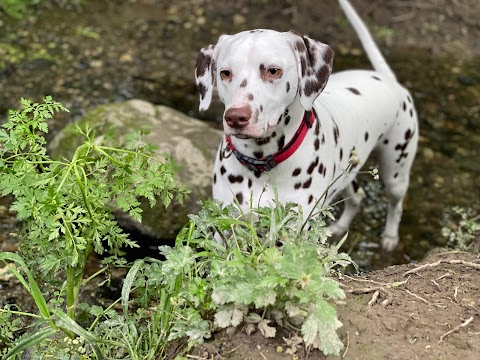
x=441, y=261
x=457, y=328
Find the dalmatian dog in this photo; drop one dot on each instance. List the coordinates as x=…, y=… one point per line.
x=290, y=123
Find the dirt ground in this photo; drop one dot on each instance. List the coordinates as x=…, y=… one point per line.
x=429, y=310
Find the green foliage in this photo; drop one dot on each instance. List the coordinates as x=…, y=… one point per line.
x=272, y=269
x=18, y=9
x=462, y=229
x=9, y=326
x=66, y=209
x=67, y=205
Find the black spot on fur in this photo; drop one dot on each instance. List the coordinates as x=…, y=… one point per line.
x=316, y=144
x=321, y=169
x=341, y=154
x=287, y=119
x=404, y=106
x=312, y=166
x=376, y=78
x=258, y=154
x=310, y=199
x=408, y=134
x=263, y=141
x=411, y=112
x=257, y=174
x=385, y=141
x=296, y=172
x=323, y=138
x=281, y=142
x=355, y=91
x=366, y=136
x=261, y=108
x=239, y=197
x=222, y=170
x=297, y=186
x=307, y=183
x=250, y=183
x=234, y=179
x=244, y=83
x=288, y=86
x=395, y=175
x=214, y=178
x=336, y=134
x=317, y=128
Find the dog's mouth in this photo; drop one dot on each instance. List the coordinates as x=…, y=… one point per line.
x=255, y=136
x=244, y=136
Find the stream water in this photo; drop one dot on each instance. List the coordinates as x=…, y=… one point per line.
x=112, y=51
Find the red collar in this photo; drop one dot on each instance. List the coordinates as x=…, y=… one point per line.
x=267, y=163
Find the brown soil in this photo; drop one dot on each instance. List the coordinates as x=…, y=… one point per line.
x=431, y=313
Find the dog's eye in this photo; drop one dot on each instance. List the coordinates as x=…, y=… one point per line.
x=274, y=72
x=225, y=74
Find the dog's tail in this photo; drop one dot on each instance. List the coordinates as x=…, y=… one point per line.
x=373, y=53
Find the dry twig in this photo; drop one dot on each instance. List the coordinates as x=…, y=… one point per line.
x=418, y=297
x=374, y=298
x=457, y=328
x=442, y=261
x=346, y=347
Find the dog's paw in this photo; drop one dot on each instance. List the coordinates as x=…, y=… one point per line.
x=389, y=243
x=337, y=230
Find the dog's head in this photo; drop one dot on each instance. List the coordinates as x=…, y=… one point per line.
x=258, y=74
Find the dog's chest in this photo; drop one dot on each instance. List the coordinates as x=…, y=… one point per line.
x=302, y=178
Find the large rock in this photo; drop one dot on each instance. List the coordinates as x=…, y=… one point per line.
x=191, y=143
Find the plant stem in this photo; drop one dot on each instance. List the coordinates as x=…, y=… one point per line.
x=72, y=292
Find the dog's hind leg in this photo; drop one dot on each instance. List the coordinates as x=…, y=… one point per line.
x=396, y=154
x=353, y=195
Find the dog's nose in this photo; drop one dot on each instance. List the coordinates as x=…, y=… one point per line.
x=237, y=118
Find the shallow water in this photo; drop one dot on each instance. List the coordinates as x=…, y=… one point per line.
x=113, y=51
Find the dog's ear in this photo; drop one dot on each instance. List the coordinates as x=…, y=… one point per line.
x=314, y=64
x=205, y=72
x=205, y=75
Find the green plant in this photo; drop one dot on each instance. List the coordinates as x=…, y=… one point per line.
x=463, y=230
x=273, y=269
x=66, y=207
x=18, y=9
